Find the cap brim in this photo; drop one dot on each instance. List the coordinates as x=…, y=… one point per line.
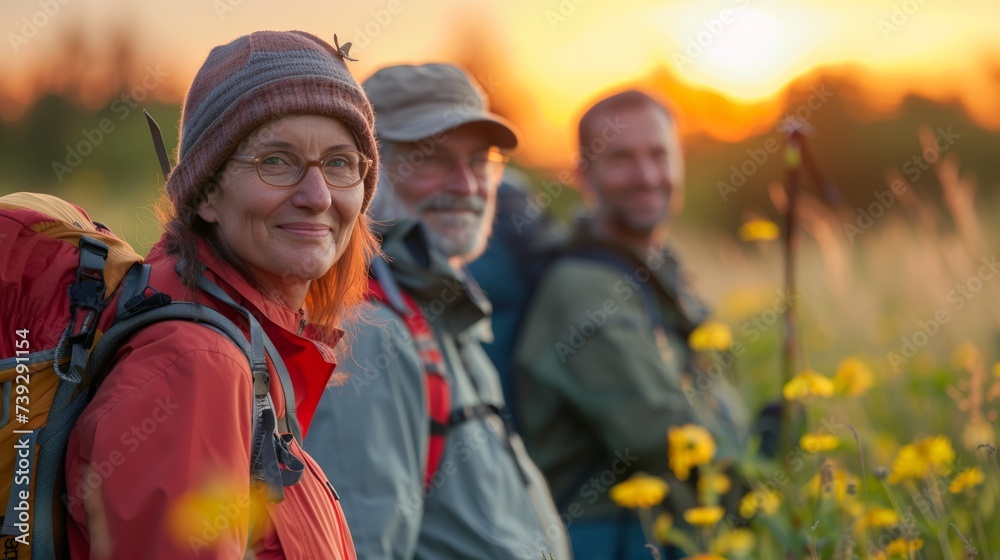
x=431, y=123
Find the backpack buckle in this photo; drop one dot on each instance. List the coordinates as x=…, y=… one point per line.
x=87, y=291
x=143, y=301
x=261, y=382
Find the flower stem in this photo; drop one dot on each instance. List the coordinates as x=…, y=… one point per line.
x=646, y=520
x=982, y=534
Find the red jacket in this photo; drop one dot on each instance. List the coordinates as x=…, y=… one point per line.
x=159, y=463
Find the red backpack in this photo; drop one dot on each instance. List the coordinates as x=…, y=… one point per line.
x=71, y=293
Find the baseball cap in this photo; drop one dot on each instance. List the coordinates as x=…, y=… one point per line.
x=416, y=102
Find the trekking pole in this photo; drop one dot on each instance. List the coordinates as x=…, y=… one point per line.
x=791, y=411
x=797, y=157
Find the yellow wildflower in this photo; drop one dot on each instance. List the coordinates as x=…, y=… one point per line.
x=639, y=491
x=939, y=452
x=203, y=506
x=876, y=517
x=716, y=483
x=711, y=335
x=916, y=460
x=661, y=527
x=818, y=442
x=853, y=378
x=966, y=479
x=853, y=507
x=910, y=463
x=838, y=483
x=904, y=547
x=766, y=501
x=759, y=230
x=737, y=542
x=704, y=516
x=808, y=384
x=690, y=446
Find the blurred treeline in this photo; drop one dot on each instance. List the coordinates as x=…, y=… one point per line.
x=97, y=152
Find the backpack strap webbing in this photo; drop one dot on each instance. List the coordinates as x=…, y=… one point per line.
x=269, y=454
x=436, y=388
x=272, y=461
x=442, y=417
x=86, y=296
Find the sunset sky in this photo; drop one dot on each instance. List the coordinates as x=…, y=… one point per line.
x=547, y=59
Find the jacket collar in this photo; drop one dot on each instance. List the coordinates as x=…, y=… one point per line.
x=426, y=274
x=246, y=294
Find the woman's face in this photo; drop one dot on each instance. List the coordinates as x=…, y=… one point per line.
x=286, y=237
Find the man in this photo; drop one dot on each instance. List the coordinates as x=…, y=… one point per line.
x=464, y=487
x=602, y=366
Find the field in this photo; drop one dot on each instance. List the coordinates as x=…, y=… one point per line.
x=896, y=308
x=896, y=315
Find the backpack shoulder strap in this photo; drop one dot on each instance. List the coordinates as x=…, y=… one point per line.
x=384, y=288
x=438, y=392
x=272, y=461
x=650, y=303
x=628, y=265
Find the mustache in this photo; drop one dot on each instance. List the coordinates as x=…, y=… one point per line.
x=452, y=202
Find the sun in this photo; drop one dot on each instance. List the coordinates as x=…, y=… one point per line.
x=744, y=52
x=749, y=51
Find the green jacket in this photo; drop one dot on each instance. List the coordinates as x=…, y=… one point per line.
x=371, y=435
x=599, y=383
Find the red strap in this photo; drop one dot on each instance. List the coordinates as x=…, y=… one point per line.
x=436, y=390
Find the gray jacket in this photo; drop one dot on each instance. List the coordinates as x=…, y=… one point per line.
x=371, y=435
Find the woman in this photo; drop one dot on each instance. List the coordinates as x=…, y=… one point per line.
x=276, y=167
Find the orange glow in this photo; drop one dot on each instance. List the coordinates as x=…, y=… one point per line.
x=726, y=64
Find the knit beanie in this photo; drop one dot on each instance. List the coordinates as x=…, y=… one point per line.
x=257, y=78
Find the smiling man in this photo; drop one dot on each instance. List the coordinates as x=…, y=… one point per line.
x=419, y=439
x=602, y=366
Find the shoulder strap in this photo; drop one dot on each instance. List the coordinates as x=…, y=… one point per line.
x=439, y=407
x=272, y=461
x=436, y=389
x=626, y=263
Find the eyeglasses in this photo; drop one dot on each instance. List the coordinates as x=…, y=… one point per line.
x=484, y=165
x=285, y=168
